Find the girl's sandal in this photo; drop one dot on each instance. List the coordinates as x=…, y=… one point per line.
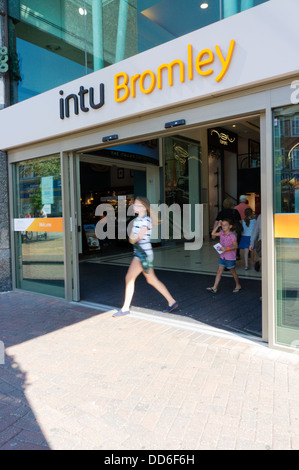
x=212, y=290
x=237, y=290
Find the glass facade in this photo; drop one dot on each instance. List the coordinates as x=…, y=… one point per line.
x=286, y=223
x=55, y=41
x=38, y=226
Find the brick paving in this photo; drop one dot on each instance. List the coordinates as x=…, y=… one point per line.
x=76, y=378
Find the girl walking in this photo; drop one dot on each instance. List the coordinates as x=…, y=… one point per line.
x=227, y=259
x=248, y=226
x=143, y=258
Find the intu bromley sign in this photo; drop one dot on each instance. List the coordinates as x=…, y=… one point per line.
x=126, y=86
x=202, y=64
x=83, y=94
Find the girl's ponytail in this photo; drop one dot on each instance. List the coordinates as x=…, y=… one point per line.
x=248, y=214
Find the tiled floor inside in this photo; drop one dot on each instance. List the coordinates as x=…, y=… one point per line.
x=175, y=257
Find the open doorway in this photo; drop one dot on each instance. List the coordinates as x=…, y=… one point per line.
x=234, y=165
x=198, y=166
x=111, y=177
x=100, y=185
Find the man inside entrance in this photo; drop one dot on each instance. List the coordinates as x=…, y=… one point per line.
x=242, y=206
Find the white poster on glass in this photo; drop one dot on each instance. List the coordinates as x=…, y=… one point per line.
x=47, y=190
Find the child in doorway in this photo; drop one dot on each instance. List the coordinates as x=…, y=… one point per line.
x=229, y=248
x=248, y=226
x=143, y=258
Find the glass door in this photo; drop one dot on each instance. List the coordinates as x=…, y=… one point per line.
x=71, y=198
x=38, y=226
x=286, y=224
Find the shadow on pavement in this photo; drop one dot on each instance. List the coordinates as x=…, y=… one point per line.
x=25, y=316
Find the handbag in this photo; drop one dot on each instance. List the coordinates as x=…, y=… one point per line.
x=258, y=248
x=146, y=262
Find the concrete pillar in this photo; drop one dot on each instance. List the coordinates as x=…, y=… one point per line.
x=245, y=4
x=230, y=7
x=2, y=43
x=97, y=34
x=5, y=251
x=121, y=30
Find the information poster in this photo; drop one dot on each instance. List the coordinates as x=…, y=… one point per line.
x=91, y=238
x=47, y=190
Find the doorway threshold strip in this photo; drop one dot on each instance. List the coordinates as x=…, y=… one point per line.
x=118, y=262
x=156, y=316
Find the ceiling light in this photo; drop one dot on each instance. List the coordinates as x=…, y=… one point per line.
x=204, y=5
x=82, y=11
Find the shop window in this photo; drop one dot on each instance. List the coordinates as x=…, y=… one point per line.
x=286, y=224
x=295, y=126
x=295, y=159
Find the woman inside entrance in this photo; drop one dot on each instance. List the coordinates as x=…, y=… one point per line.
x=143, y=258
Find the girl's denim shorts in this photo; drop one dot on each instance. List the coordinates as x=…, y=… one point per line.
x=227, y=263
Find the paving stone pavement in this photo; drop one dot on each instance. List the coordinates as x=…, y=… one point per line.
x=75, y=378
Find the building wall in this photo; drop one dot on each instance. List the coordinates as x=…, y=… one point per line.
x=2, y=43
x=5, y=252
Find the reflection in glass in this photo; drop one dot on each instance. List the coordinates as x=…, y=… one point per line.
x=286, y=160
x=287, y=283
x=37, y=212
x=286, y=208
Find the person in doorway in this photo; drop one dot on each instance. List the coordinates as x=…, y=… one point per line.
x=242, y=206
x=248, y=227
x=143, y=258
x=256, y=241
x=227, y=259
x=228, y=212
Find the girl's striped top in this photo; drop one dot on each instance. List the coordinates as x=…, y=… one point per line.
x=145, y=242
